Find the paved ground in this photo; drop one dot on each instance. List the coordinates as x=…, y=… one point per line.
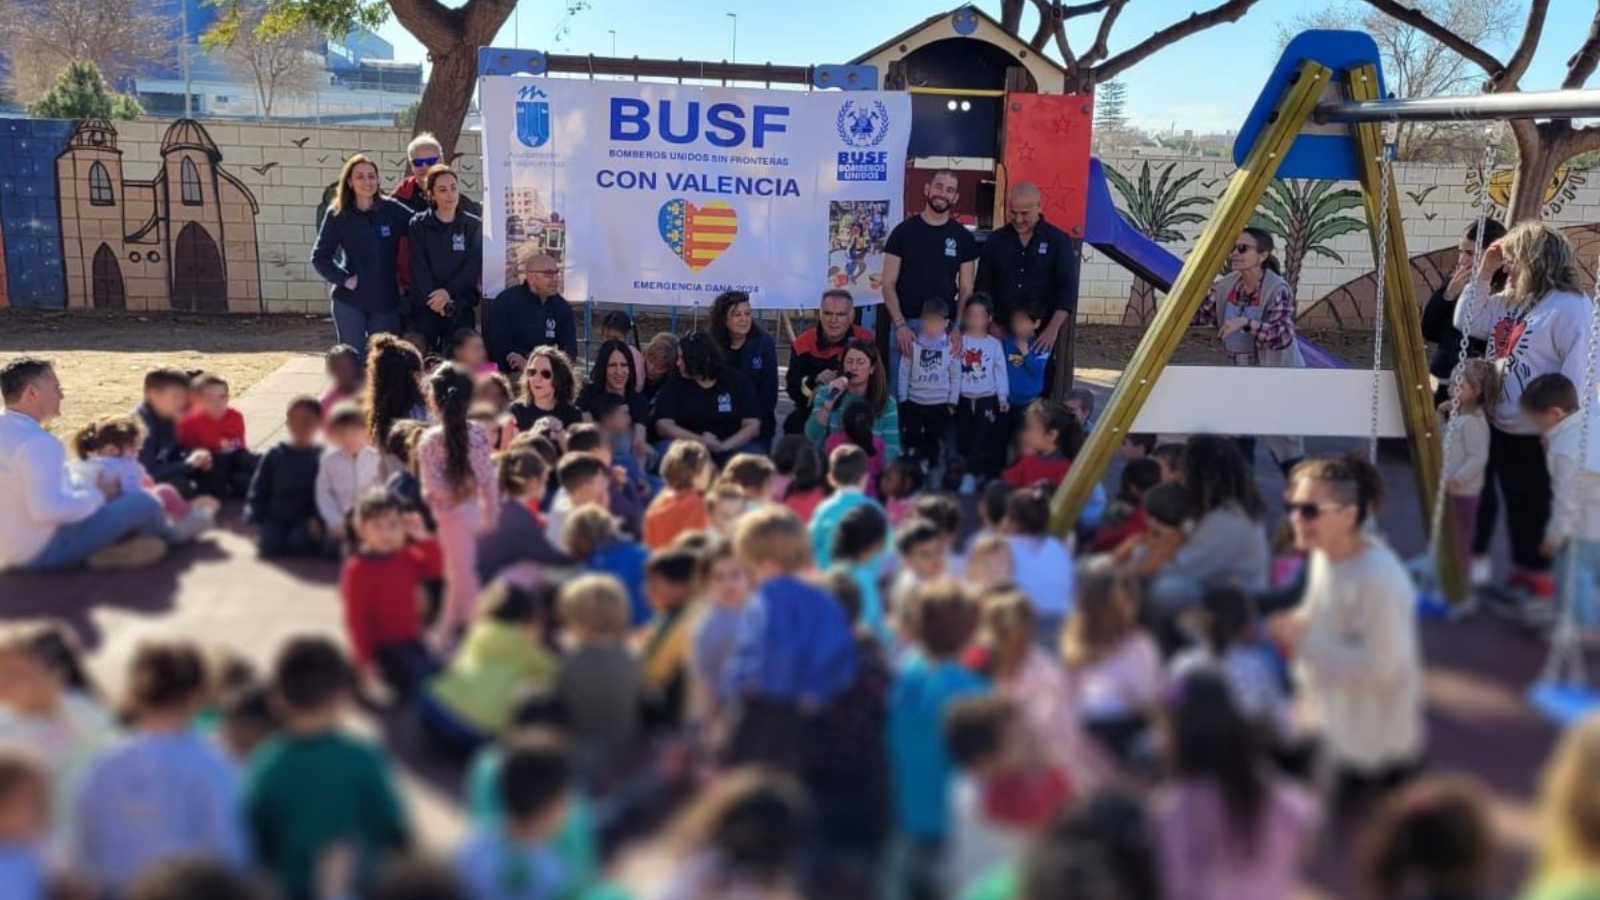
x=217, y=591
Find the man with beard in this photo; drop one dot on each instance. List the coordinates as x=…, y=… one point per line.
x=815, y=358
x=927, y=255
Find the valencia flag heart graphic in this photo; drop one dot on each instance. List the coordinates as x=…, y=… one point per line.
x=697, y=234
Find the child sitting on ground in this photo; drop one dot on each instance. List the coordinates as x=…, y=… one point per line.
x=795, y=653
x=1173, y=460
x=347, y=377
x=1114, y=666
x=313, y=788
x=380, y=585
x=1042, y=565
x=785, y=455
x=714, y=634
x=217, y=428
x=848, y=473
x=924, y=552
x=121, y=833
x=681, y=505
x=858, y=421
x=1137, y=446
x=753, y=475
x=670, y=585
x=859, y=548
x=518, y=547
x=625, y=497
x=1229, y=643
x=599, y=684
x=1080, y=402
x=107, y=449
x=808, y=477
x=598, y=545
x=466, y=350
x=900, y=483
x=989, y=564
x=401, y=451
x=502, y=657
x=492, y=389
x=1050, y=439
x=522, y=858
x=282, y=503
x=1433, y=840
x=1008, y=791
x=24, y=827
x=348, y=469
x=628, y=450
x=501, y=429
x=1126, y=517
x=945, y=512
x=1572, y=536
x=940, y=620
x=585, y=480
x=166, y=399
x=725, y=503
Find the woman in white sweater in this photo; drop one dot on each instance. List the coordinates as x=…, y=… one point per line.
x=1537, y=326
x=1354, y=637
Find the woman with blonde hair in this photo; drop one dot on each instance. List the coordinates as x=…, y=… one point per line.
x=1537, y=326
x=1568, y=866
x=358, y=253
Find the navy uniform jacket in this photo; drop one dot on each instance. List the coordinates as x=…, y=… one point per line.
x=366, y=245
x=519, y=322
x=445, y=255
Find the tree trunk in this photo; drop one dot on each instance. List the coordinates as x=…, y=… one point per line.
x=1536, y=165
x=448, y=96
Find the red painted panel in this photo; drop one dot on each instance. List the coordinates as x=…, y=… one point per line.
x=1047, y=142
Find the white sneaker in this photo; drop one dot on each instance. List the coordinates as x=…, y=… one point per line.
x=1481, y=572
x=969, y=485
x=134, y=553
x=196, y=523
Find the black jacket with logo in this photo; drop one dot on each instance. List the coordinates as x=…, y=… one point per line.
x=519, y=322
x=445, y=255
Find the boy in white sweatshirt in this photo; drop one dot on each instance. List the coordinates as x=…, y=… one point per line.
x=928, y=387
x=1573, y=535
x=349, y=466
x=980, y=435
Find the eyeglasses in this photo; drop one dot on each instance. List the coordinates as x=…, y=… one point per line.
x=421, y=161
x=1310, y=511
x=544, y=271
x=1243, y=248
x=542, y=373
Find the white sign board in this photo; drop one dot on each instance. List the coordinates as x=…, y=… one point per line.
x=667, y=195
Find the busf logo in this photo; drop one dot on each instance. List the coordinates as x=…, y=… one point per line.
x=533, y=116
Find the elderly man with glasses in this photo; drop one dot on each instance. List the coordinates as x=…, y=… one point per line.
x=531, y=314
x=423, y=154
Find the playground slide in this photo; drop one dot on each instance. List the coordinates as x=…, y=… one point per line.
x=1106, y=229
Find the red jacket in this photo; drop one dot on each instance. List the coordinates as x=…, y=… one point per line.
x=1109, y=538
x=381, y=607
x=198, y=431
x=810, y=356
x=1031, y=470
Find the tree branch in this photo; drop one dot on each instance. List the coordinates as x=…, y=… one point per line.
x=432, y=23
x=1230, y=11
x=1011, y=15
x=1099, y=49
x=1419, y=20
x=1531, y=32
x=1582, y=63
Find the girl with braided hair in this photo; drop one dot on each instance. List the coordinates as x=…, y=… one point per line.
x=460, y=487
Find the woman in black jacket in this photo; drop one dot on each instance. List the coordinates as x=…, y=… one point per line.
x=752, y=351
x=358, y=250
x=446, y=261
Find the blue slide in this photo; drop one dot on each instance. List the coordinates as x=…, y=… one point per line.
x=1111, y=234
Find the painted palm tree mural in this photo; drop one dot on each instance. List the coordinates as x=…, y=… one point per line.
x=1305, y=216
x=1156, y=207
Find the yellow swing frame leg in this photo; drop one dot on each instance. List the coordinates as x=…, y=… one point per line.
x=1232, y=214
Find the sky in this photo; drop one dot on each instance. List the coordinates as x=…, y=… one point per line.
x=1205, y=83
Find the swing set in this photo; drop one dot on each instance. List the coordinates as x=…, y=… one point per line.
x=1323, y=115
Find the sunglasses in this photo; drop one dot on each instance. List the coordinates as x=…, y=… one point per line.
x=421, y=161
x=542, y=373
x=1243, y=248
x=1310, y=511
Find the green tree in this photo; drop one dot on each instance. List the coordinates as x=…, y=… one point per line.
x=1111, y=106
x=1156, y=208
x=80, y=93
x=1307, y=215
x=407, y=118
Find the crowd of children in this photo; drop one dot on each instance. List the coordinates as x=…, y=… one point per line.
x=770, y=678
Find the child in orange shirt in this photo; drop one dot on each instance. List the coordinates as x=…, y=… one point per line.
x=681, y=506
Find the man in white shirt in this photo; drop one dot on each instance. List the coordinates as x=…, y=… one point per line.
x=51, y=522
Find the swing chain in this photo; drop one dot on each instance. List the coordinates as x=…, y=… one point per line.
x=1385, y=170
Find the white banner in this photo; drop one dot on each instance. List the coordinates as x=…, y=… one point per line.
x=667, y=195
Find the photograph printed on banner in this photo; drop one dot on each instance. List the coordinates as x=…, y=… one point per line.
x=531, y=229
x=857, y=230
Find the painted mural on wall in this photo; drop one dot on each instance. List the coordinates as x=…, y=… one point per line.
x=1157, y=208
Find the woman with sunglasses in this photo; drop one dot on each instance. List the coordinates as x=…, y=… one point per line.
x=1354, y=637
x=357, y=252
x=549, y=390
x=1253, y=311
x=708, y=402
x=445, y=249
x=749, y=348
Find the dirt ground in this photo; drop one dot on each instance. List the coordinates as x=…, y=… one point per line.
x=101, y=357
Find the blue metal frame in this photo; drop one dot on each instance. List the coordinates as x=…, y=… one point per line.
x=509, y=61
x=1328, y=156
x=845, y=77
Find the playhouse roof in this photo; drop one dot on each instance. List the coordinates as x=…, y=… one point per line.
x=942, y=25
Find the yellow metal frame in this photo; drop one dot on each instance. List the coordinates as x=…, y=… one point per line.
x=1177, y=310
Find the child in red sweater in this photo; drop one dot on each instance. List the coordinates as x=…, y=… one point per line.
x=217, y=428
x=1051, y=437
x=380, y=584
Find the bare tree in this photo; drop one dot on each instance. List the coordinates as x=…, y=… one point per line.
x=1541, y=146
x=1416, y=65
x=1097, y=63
x=42, y=37
x=281, y=62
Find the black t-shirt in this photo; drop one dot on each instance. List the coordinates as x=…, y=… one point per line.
x=719, y=409
x=526, y=414
x=930, y=261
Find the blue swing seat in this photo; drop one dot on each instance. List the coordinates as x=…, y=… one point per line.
x=1565, y=704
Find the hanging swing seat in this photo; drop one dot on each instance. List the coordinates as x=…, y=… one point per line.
x=1564, y=703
